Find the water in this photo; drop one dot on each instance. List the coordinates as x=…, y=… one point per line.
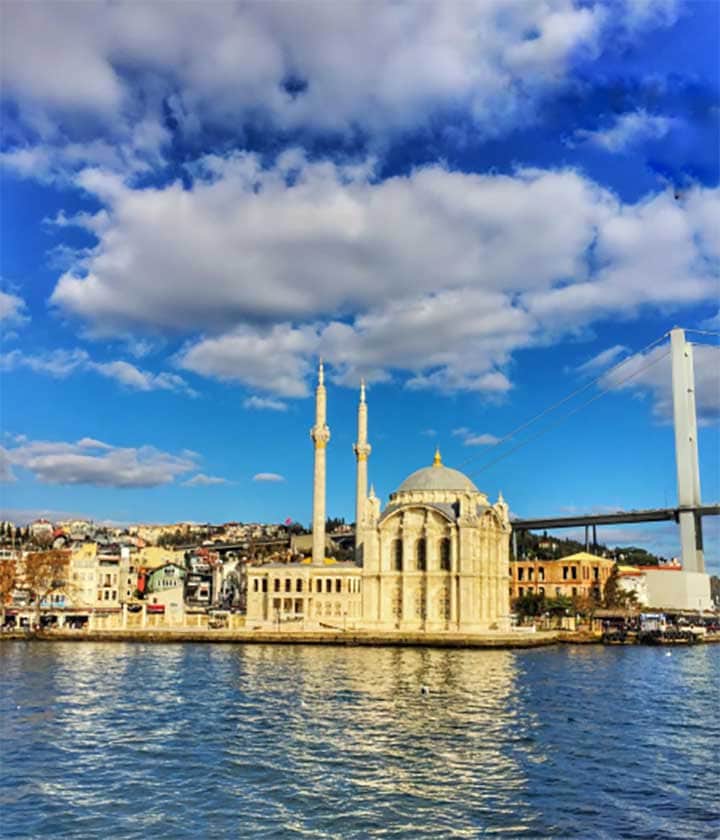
x=176, y=741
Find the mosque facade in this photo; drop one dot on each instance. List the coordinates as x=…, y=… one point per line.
x=435, y=559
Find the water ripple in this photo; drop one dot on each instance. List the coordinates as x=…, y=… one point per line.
x=187, y=741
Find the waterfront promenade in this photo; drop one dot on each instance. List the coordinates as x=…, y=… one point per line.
x=304, y=637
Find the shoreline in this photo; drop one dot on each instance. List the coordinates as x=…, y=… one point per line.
x=500, y=641
x=346, y=639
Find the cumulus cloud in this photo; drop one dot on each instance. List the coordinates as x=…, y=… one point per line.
x=308, y=65
x=12, y=309
x=99, y=464
x=268, y=477
x=650, y=373
x=626, y=130
x=432, y=273
x=273, y=360
x=202, y=480
x=6, y=473
x=471, y=439
x=63, y=363
x=598, y=363
x=264, y=404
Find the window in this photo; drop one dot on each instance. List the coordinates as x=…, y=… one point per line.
x=288, y=585
x=445, y=554
x=521, y=573
x=114, y=595
x=256, y=585
x=565, y=572
x=574, y=591
x=276, y=587
x=328, y=585
x=530, y=573
x=521, y=591
x=420, y=555
x=299, y=585
x=338, y=584
x=595, y=573
x=264, y=584
x=541, y=573
x=318, y=585
x=574, y=572
x=541, y=591
x=397, y=555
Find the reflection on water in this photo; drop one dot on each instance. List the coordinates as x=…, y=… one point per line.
x=271, y=741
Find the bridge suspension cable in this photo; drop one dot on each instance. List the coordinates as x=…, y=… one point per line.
x=571, y=396
x=575, y=410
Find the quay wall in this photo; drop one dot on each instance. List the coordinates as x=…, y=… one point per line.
x=349, y=638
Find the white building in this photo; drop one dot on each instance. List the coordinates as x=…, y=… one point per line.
x=434, y=560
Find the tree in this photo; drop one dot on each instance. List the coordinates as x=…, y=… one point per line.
x=614, y=596
x=8, y=580
x=46, y=573
x=530, y=605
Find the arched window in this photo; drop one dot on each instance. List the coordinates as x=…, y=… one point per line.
x=445, y=554
x=397, y=555
x=420, y=555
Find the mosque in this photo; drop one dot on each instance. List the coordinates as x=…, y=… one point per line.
x=435, y=559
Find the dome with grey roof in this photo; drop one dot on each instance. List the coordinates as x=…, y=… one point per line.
x=437, y=477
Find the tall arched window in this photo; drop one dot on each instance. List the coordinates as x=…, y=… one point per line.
x=445, y=554
x=420, y=555
x=396, y=553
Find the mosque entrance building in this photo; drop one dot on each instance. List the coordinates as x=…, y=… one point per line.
x=436, y=559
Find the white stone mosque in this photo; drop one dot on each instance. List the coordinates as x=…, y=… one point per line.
x=434, y=560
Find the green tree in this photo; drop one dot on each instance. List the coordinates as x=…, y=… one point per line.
x=614, y=596
x=530, y=605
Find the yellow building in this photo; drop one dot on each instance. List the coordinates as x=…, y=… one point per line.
x=154, y=556
x=578, y=575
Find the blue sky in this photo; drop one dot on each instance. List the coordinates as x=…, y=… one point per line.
x=480, y=207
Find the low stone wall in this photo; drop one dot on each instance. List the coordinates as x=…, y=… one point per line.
x=352, y=638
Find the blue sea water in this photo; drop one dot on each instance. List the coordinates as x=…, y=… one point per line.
x=193, y=741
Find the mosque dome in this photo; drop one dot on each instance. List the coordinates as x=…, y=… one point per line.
x=437, y=477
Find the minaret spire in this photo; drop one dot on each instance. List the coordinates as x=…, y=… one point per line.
x=320, y=434
x=362, y=451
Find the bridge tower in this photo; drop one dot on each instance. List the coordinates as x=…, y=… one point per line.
x=686, y=451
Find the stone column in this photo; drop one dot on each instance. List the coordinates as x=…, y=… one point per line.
x=484, y=575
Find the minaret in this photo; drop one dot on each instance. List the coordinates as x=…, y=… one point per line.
x=320, y=435
x=362, y=450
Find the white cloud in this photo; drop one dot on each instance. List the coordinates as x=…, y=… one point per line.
x=264, y=404
x=6, y=473
x=63, y=363
x=650, y=373
x=120, y=64
x=626, y=130
x=471, y=439
x=433, y=274
x=268, y=477
x=202, y=480
x=712, y=323
x=598, y=363
x=273, y=360
x=99, y=464
x=12, y=309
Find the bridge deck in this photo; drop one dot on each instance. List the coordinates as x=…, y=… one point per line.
x=618, y=518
